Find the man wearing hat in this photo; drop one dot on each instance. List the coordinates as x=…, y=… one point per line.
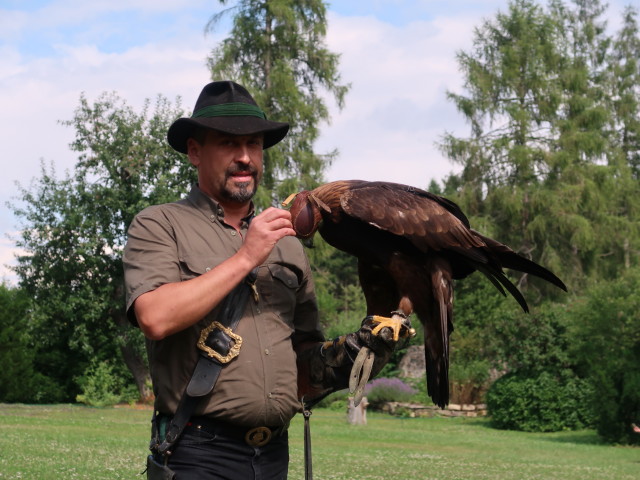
x=225, y=298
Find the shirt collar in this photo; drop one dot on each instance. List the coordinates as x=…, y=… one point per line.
x=210, y=207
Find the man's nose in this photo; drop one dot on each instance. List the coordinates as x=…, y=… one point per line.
x=242, y=155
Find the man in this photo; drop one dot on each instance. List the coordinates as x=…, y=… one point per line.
x=183, y=259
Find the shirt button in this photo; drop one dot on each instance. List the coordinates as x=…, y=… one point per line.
x=233, y=233
x=269, y=395
x=266, y=351
x=212, y=217
x=208, y=269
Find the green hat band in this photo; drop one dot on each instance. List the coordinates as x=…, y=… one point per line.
x=230, y=110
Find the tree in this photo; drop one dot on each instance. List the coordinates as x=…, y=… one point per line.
x=606, y=341
x=511, y=99
x=276, y=49
x=548, y=168
x=20, y=380
x=541, y=169
x=625, y=95
x=74, y=231
x=512, y=96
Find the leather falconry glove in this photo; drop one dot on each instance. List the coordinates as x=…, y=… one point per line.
x=326, y=369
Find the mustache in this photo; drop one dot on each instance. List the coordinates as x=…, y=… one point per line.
x=250, y=169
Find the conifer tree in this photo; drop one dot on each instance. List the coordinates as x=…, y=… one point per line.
x=276, y=49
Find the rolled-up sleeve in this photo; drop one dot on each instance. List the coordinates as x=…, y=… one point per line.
x=150, y=256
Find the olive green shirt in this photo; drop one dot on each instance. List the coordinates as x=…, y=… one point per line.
x=179, y=241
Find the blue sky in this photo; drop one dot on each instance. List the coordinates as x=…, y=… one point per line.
x=398, y=56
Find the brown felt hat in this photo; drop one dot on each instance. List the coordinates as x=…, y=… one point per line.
x=229, y=108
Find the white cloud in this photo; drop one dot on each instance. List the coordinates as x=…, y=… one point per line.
x=396, y=110
x=36, y=92
x=8, y=253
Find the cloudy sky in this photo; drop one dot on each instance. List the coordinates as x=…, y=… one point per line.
x=398, y=56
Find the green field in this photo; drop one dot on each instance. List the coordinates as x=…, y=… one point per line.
x=75, y=442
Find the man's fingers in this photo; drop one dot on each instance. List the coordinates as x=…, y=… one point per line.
x=274, y=219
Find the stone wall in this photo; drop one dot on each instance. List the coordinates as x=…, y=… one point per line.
x=452, y=410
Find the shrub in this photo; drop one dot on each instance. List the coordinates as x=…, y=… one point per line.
x=101, y=386
x=606, y=332
x=539, y=403
x=20, y=380
x=337, y=401
x=382, y=390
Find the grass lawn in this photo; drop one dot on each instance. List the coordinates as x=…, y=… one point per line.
x=76, y=442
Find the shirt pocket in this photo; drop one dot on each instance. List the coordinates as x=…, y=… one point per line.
x=280, y=290
x=192, y=266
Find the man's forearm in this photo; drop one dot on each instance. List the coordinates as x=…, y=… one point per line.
x=175, y=306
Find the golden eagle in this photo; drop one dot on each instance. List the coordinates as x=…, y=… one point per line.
x=410, y=245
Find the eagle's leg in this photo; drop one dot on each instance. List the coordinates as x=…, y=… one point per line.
x=362, y=365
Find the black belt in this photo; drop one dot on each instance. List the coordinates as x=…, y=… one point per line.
x=254, y=437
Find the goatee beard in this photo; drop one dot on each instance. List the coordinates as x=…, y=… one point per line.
x=242, y=194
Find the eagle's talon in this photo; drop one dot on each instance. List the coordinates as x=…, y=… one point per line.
x=396, y=323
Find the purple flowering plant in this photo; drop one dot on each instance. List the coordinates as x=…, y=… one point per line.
x=382, y=390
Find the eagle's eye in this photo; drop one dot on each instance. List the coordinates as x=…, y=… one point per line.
x=304, y=222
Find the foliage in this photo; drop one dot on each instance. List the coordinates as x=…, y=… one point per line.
x=550, y=168
x=20, y=381
x=382, y=390
x=625, y=102
x=545, y=167
x=478, y=309
x=276, y=49
x=540, y=403
x=102, y=386
x=337, y=401
x=606, y=334
x=543, y=341
x=74, y=230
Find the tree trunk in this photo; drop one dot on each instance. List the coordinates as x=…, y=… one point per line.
x=136, y=362
x=140, y=371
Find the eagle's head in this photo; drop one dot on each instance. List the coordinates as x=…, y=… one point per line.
x=306, y=213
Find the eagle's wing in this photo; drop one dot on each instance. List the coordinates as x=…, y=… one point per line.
x=430, y=222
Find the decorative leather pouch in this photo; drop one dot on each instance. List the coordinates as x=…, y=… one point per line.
x=157, y=471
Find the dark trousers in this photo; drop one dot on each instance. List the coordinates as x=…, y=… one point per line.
x=204, y=455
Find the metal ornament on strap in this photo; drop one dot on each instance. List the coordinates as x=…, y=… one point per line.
x=218, y=345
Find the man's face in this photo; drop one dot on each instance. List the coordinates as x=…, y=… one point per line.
x=229, y=166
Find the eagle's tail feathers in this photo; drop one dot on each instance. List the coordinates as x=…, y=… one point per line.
x=498, y=277
x=510, y=259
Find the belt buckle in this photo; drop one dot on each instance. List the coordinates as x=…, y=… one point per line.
x=258, y=437
x=233, y=351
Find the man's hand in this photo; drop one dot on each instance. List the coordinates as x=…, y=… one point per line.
x=264, y=232
x=376, y=340
x=173, y=307
x=329, y=368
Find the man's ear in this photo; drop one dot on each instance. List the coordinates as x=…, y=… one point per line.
x=193, y=151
